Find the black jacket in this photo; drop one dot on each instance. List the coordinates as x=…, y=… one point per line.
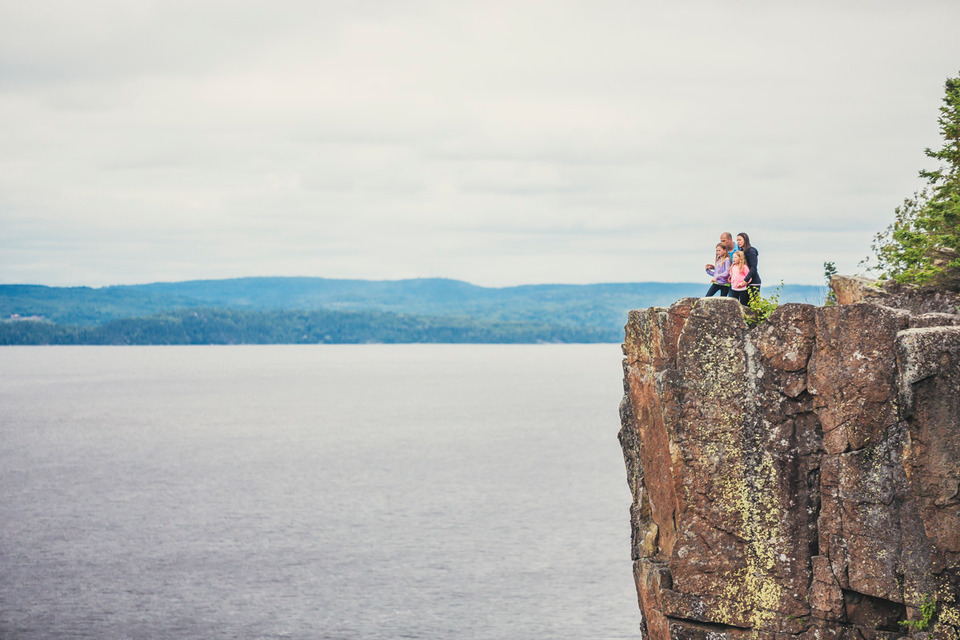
x=751, y=255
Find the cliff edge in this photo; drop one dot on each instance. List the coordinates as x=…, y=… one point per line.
x=799, y=478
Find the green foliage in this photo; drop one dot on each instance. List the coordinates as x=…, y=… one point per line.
x=928, y=609
x=922, y=246
x=590, y=310
x=762, y=307
x=596, y=305
x=228, y=326
x=829, y=270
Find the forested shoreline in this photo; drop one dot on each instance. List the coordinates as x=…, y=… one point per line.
x=319, y=310
x=227, y=326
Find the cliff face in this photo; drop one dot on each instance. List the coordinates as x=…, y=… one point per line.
x=797, y=478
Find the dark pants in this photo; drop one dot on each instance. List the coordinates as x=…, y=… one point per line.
x=744, y=296
x=724, y=289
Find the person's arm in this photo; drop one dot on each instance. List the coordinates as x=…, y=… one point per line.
x=737, y=275
x=751, y=256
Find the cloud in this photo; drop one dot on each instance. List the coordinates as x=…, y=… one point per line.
x=500, y=143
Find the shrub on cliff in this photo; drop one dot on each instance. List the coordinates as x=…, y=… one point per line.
x=922, y=246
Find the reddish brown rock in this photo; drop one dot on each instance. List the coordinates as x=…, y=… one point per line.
x=796, y=479
x=852, y=373
x=917, y=300
x=929, y=361
x=853, y=289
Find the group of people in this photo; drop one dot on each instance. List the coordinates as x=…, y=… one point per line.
x=734, y=272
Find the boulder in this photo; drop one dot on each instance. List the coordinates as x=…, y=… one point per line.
x=917, y=300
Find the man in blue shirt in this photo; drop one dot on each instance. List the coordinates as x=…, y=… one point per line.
x=729, y=244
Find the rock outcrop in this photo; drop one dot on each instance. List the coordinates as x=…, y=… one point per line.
x=797, y=478
x=852, y=289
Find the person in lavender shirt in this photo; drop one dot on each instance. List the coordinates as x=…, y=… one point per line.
x=720, y=272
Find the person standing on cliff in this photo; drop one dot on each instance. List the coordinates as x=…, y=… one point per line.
x=727, y=241
x=738, y=277
x=720, y=272
x=751, y=256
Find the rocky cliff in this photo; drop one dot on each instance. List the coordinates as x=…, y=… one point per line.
x=796, y=478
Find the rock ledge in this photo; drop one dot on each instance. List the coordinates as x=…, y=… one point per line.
x=800, y=478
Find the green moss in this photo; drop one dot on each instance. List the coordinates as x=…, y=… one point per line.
x=928, y=610
x=762, y=307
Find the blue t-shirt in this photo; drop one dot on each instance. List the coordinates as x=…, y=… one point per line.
x=736, y=248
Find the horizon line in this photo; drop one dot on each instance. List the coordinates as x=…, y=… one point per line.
x=395, y=280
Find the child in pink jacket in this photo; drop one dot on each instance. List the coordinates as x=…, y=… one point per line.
x=738, y=274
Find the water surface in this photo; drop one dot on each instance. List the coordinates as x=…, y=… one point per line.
x=373, y=491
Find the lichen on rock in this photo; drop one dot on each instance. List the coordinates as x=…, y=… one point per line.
x=797, y=478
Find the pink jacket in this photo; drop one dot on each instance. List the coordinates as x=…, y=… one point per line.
x=737, y=276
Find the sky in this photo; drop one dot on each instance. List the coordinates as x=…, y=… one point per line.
x=497, y=142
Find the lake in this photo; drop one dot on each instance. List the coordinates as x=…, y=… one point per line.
x=322, y=492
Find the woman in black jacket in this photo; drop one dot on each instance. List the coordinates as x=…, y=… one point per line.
x=753, y=278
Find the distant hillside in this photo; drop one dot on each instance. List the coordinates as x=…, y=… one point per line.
x=533, y=312
x=227, y=326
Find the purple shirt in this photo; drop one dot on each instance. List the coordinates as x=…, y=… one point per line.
x=721, y=272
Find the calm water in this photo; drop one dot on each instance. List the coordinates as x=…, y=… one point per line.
x=377, y=491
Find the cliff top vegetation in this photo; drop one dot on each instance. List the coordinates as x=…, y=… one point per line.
x=922, y=245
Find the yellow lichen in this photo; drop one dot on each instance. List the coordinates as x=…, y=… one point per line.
x=755, y=589
x=749, y=496
x=950, y=616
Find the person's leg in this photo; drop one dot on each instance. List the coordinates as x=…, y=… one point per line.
x=743, y=297
x=724, y=290
x=713, y=289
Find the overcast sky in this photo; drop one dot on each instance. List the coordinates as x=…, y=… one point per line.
x=495, y=142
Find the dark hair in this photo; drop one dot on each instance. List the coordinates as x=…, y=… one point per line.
x=746, y=239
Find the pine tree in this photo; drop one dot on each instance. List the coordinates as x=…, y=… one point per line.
x=922, y=246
